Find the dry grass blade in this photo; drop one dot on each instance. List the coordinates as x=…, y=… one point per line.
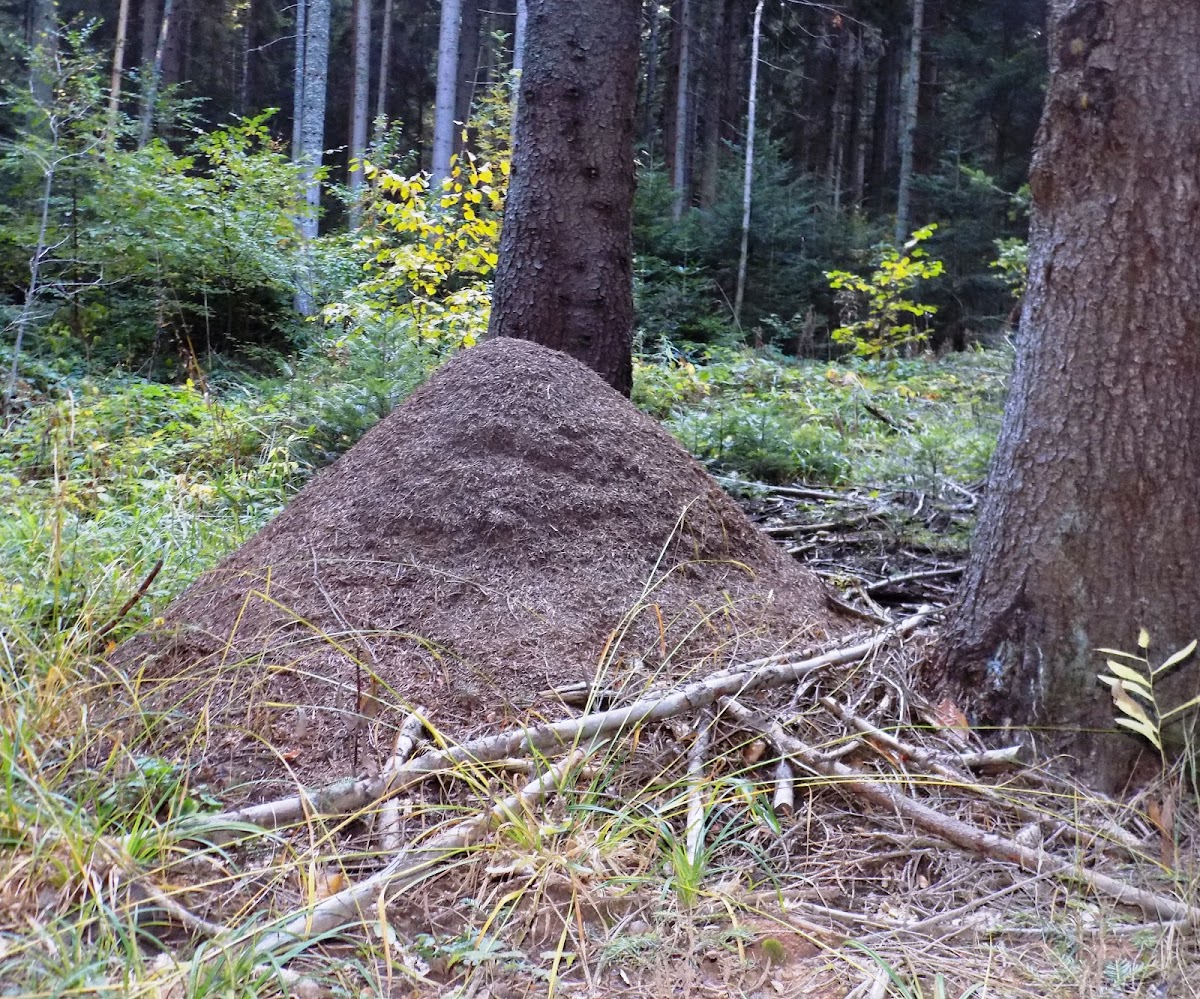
x=411, y=865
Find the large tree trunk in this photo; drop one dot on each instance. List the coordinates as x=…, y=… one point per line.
x=909, y=99
x=1091, y=525
x=565, y=277
x=447, y=88
x=358, y=105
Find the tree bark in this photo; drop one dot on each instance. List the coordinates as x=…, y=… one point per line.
x=118, y=74
x=748, y=177
x=1091, y=524
x=565, y=276
x=447, y=90
x=908, y=120
x=358, y=105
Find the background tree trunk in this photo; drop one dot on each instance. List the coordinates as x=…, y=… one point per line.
x=385, y=61
x=150, y=96
x=1091, y=525
x=748, y=177
x=298, y=79
x=358, y=104
x=468, y=68
x=680, y=163
x=312, y=125
x=908, y=120
x=447, y=89
x=565, y=277
x=118, y=73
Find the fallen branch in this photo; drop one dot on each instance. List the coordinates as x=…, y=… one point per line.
x=784, y=799
x=410, y=866
x=402, y=749
x=696, y=784
x=962, y=834
x=347, y=796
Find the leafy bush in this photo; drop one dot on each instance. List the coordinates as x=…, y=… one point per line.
x=878, y=317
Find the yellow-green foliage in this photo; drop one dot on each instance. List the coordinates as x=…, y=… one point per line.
x=883, y=318
x=1132, y=684
x=432, y=251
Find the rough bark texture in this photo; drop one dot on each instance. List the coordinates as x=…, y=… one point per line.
x=118, y=71
x=1092, y=521
x=565, y=277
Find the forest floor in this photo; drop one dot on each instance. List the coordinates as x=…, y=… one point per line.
x=796, y=824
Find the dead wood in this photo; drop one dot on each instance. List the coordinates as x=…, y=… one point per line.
x=962, y=834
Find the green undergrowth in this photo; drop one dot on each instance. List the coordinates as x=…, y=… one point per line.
x=892, y=423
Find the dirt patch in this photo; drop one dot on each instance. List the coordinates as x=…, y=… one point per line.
x=516, y=525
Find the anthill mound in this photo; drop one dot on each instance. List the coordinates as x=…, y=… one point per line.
x=481, y=545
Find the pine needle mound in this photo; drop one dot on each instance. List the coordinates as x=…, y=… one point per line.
x=515, y=526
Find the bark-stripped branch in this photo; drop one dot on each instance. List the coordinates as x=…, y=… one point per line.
x=348, y=795
x=961, y=834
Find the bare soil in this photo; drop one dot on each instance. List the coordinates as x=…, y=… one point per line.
x=515, y=526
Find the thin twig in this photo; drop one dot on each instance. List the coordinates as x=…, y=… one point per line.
x=132, y=601
x=696, y=786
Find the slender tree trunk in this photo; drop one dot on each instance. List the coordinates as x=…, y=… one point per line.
x=358, y=105
x=748, y=177
x=651, y=78
x=716, y=77
x=680, y=176
x=519, y=35
x=298, y=79
x=1091, y=521
x=243, y=92
x=908, y=121
x=883, y=124
x=43, y=39
x=468, y=68
x=565, y=277
x=118, y=74
x=385, y=60
x=150, y=98
x=447, y=90
x=843, y=90
x=311, y=134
